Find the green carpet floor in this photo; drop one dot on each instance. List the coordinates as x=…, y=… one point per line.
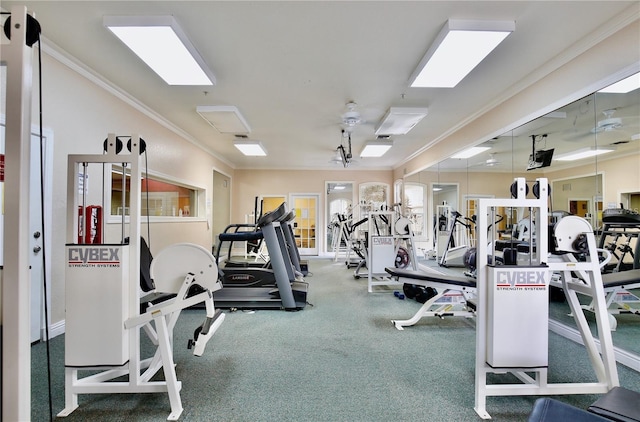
x=338, y=360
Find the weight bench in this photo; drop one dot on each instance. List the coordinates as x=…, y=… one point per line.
x=618, y=405
x=446, y=303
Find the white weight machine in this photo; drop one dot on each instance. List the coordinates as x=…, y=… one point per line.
x=511, y=302
x=108, y=301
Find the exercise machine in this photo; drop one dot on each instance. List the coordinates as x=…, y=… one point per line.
x=512, y=304
x=620, y=236
x=453, y=256
x=105, y=309
x=281, y=286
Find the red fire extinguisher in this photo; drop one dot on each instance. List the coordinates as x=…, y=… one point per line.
x=93, y=218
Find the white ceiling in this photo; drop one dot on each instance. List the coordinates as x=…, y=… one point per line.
x=290, y=67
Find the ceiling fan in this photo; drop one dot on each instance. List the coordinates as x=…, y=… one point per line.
x=351, y=118
x=609, y=123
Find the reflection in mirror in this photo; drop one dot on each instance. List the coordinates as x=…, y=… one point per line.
x=445, y=204
x=605, y=128
x=339, y=205
x=373, y=196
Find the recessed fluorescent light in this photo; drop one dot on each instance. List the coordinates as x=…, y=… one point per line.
x=376, y=148
x=458, y=48
x=339, y=187
x=470, y=152
x=582, y=153
x=250, y=148
x=626, y=85
x=400, y=120
x=163, y=46
x=436, y=189
x=226, y=119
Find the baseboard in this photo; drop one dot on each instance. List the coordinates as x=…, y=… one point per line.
x=623, y=357
x=55, y=329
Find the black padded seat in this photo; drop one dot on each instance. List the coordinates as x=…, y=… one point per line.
x=153, y=299
x=418, y=276
x=501, y=244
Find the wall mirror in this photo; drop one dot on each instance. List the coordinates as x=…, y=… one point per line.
x=589, y=151
x=373, y=196
x=339, y=201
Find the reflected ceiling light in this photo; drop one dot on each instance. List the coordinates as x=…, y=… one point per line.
x=400, y=120
x=226, y=119
x=163, y=46
x=458, y=48
x=626, y=85
x=470, y=152
x=339, y=187
x=376, y=148
x=436, y=189
x=583, y=153
x=250, y=148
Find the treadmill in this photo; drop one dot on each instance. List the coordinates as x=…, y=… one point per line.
x=277, y=287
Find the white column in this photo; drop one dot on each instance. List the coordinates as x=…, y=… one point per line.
x=16, y=357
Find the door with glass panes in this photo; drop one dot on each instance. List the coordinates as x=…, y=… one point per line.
x=306, y=222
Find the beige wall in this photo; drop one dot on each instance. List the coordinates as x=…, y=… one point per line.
x=247, y=184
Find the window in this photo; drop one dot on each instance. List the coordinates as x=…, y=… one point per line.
x=160, y=197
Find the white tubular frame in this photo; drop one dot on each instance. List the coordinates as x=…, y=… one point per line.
x=605, y=367
x=16, y=344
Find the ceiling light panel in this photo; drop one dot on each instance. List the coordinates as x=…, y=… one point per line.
x=583, y=153
x=459, y=47
x=163, y=46
x=626, y=85
x=400, y=120
x=250, y=148
x=376, y=148
x=470, y=152
x=226, y=119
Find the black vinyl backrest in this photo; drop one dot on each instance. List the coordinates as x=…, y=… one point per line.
x=146, y=282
